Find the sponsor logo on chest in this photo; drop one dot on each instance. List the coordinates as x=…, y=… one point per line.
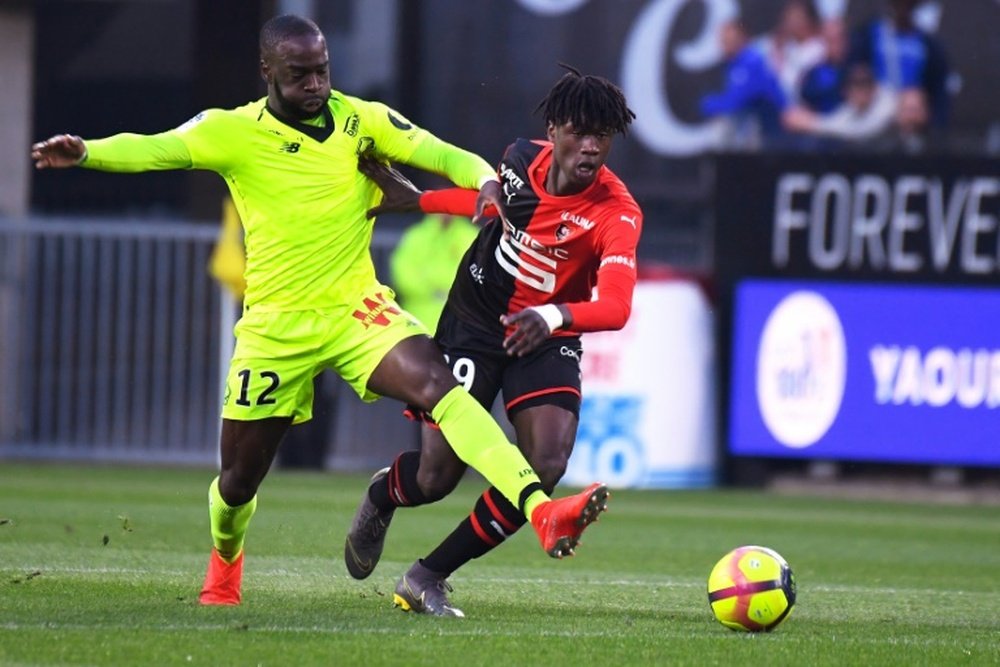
x=511, y=182
x=578, y=220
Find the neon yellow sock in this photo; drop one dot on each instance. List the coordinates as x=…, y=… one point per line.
x=533, y=501
x=479, y=441
x=229, y=524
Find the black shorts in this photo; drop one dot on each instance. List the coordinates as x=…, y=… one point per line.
x=549, y=375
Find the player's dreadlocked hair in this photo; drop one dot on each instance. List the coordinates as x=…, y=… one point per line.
x=283, y=27
x=589, y=102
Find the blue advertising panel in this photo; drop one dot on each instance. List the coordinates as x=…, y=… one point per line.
x=873, y=372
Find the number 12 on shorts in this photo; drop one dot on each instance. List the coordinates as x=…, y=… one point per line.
x=264, y=398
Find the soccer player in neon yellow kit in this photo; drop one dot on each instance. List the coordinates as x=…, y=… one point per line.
x=312, y=299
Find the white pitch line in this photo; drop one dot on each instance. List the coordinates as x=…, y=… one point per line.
x=450, y=628
x=461, y=580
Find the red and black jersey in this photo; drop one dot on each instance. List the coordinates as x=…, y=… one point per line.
x=577, y=250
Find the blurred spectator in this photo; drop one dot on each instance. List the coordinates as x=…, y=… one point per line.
x=904, y=56
x=794, y=46
x=911, y=132
x=752, y=99
x=822, y=86
x=866, y=114
x=424, y=262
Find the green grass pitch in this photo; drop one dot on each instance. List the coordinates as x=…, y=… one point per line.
x=102, y=566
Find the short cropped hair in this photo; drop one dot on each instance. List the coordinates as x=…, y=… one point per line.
x=283, y=27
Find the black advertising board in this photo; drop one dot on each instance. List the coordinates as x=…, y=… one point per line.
x=859, y=309
x=858, y=218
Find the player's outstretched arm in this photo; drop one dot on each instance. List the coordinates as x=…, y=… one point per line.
x=399, y=194
x=58, y=152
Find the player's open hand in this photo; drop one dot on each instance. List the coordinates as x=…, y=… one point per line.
x=398, y=193
x=530, y=330
x=60, y=151
x=489, y=202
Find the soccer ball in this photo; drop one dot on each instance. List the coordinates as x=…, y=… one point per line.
x=751, y=588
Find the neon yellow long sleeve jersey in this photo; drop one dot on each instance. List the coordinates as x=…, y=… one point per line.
x=296, y=187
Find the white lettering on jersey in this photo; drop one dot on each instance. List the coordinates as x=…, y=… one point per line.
x=508, y=175
x=191, y=122
x=619, y=259
x=517, y=248
x=511, y=182
x=578, y=220
x=507, y=256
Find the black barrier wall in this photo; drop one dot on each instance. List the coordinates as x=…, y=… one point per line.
x=860, y=309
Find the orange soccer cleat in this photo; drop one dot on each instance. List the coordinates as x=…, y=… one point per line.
x=222, y=581
x=560, y=522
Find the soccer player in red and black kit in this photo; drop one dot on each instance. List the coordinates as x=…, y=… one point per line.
x=523, y=294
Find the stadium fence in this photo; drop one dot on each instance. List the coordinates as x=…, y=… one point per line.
x=114, y=339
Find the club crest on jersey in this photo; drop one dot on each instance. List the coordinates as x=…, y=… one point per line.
x=377, y=311
x=562, y=231
x=398, y=123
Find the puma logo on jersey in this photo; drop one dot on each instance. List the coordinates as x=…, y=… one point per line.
x=508, y=192
x=629, y=220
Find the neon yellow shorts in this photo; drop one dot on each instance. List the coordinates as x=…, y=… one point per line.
x=278, y=354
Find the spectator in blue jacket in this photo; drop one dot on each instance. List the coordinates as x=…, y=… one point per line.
x=903, y=56
x=752, y=98
x=823, y=85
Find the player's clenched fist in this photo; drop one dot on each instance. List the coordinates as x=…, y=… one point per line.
x=62, y=150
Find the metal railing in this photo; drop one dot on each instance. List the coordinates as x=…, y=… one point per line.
x=111, y=340
x=114, y=339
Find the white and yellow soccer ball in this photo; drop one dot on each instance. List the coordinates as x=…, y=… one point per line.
x=751, y=588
